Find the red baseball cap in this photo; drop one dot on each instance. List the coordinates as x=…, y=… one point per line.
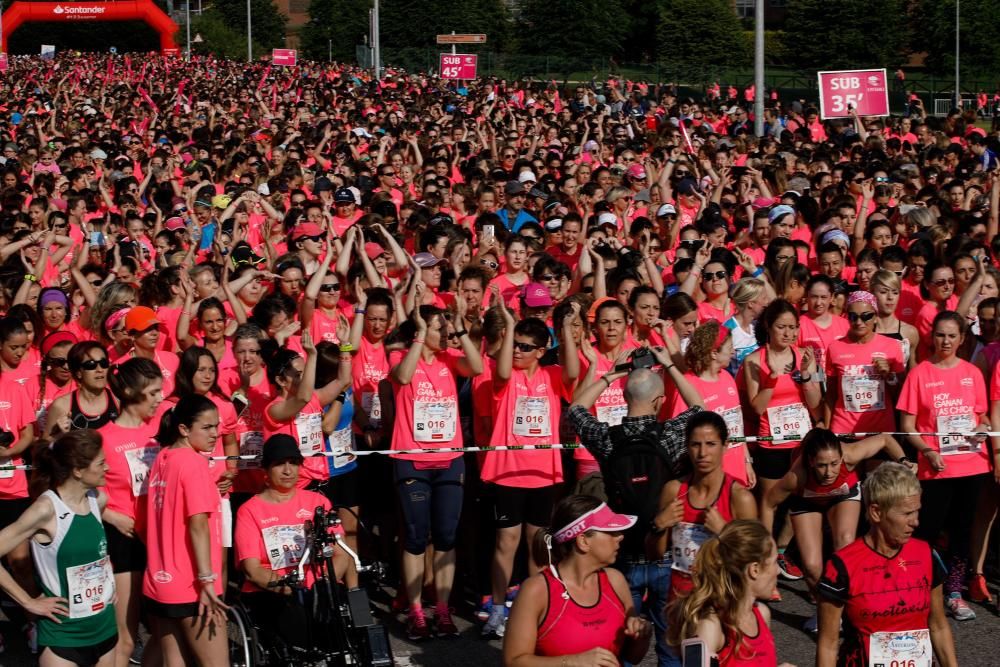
x=306, y=229
x=141, y=318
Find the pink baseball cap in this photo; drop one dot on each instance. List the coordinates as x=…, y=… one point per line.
x=374, y=250
x=306, y=229
x=536, y=295
x=601, y=518
x=173, y=224
x=636, y=171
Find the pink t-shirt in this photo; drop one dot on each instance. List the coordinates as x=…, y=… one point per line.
x=168, y=363
x=323, y=327
x=924, y=322
x=249, y=430
x=947, y=400
x=528, y=413
x=273, y=533
x=818, y=338
x=427, y=408
x=720, y=396
x=130, y=453
x=168, y=327
x=707, y=311
x=369, y=368
x=307, y=429
x=863, y=402
x=16, y=412
x=181, y=487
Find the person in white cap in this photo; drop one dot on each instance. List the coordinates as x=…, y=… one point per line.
x=578, y=608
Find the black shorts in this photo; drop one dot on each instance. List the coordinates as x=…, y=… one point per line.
x=11, y=510
x=513, y=506
x=169, y=610
x=800, y=505
x=773, y=463
x=342, y=490
x=128, y=554
x=84, y=655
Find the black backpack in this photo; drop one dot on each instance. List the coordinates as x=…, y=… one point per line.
x=634, y=476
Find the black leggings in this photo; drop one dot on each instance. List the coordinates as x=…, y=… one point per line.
x=948, y=504
x=431, y=500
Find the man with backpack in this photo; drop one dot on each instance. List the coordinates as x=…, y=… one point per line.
x=637, y=458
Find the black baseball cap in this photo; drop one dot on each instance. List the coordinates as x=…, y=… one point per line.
x=280, y=448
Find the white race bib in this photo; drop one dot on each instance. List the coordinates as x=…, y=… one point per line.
x=789, y=420
x=140, y=460
x=372, y=405
x=341, y=443
x=685, y=541
x=956, y=444
x=91, y=588
x=862, y=393
x=310, y=430
x=906, y=648
x=6, y=467
x=611, y=415
x=531, y=417
x=284, y=545
x=734, y=423
x=251, y=443
x=434, y=421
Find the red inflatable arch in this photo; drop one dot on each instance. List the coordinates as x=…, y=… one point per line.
x=21, y=12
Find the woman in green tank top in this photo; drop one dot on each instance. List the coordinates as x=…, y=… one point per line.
x=70, y=552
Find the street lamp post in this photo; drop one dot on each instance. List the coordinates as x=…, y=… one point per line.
x=187, y=27
x=249, y=35
x=958, y=28
x=758, y=69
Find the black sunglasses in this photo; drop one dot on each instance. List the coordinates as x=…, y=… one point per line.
x=330, y=287
x=713, y=275
x=486, y=262
x=526, y=347
x=92, y=364
x=57, y=362
x=864, y=317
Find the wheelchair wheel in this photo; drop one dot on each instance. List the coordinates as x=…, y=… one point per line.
x=243, y=646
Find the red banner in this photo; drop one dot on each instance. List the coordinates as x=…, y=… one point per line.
x=21, y=12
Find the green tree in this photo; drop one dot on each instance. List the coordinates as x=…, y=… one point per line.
x=267, y=23
x=847, y=33
x=701, y=33
x=579, y=29
x=334, y=28
x=934, y=34
x=220, y=39
x=415, y=23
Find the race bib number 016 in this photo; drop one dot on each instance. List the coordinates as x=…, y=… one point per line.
x=909, y=648
x=434, y=421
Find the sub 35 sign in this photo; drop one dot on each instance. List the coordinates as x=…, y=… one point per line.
x=866, y=90
x=458, y=65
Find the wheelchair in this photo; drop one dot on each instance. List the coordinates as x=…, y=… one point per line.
x=326, y=626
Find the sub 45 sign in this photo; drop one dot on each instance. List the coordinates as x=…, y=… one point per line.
x=458, y=65
x=865, y=90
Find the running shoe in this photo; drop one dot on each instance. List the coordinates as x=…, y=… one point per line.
x=444, y=626
x=811, y=625
x=978, y=591
x=959, y=608
x=496, y=624
x=136, y=657
x=416, y=626
x=788, y=569
x=485, y=606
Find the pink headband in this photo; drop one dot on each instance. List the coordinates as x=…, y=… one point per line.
x=864, y=297
x=600, y=518
x=114, y=318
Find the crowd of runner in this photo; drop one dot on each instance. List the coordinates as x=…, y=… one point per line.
x=765, y=356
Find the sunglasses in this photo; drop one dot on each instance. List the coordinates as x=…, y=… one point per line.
x=491, y=264
x=864, y=317
x=330, y=287
x=858, y=180
x=943, y=281
x=92, y=364
x=526, y=347
x=547, y=277
x=57, y=362
x=715, y=275
x=682, y=174
x=318, y=239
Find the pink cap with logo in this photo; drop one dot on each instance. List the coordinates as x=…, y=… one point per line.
x=601, y=518
x=536, y=295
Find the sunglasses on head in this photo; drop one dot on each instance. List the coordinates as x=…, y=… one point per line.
x=526, y=347
x=864, y=317
x=330, y=287
x=92, y=364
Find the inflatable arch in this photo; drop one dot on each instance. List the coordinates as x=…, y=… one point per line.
x=21, y=12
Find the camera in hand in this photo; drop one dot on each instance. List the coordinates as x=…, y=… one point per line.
x=7, y=438
x=642, y=357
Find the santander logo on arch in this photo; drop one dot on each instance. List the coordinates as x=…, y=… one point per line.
x=85, y=10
